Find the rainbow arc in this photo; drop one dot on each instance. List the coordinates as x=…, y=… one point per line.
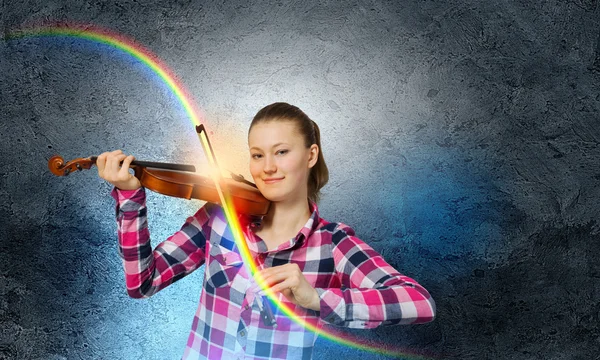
x=148, y=59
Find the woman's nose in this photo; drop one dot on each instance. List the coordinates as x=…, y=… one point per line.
x=269, y=165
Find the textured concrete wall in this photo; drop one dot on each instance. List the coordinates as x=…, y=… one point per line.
x=462, y=139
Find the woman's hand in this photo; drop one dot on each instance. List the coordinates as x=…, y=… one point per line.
x=289, y=280
x=110, y=169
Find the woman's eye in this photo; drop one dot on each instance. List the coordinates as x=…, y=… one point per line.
x=256, y=156
x=282, y=152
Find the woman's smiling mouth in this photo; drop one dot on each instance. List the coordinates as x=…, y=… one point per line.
x=272, y=180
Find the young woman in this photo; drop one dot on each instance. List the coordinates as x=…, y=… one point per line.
x=318, y=268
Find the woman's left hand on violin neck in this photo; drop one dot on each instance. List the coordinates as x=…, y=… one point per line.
x=110, y=169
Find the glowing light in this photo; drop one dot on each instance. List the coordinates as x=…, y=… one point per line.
x=130, y=47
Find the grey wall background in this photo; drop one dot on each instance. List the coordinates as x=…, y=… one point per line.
x=462, y=139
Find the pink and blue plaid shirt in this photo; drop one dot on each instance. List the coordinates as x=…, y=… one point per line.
x=357, y=287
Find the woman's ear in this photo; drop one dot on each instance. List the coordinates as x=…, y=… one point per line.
x=313, y=156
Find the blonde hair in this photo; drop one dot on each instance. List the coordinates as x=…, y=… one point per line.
x=280, y=111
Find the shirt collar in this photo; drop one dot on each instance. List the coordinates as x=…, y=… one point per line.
x=311, y=223
x=251, y=223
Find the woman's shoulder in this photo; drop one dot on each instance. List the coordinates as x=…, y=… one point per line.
x=338, y=232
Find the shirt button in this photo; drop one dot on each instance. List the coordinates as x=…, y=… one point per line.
x=246, y=307
x=242, y=333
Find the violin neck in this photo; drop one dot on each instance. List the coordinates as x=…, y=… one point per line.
x=157, y=165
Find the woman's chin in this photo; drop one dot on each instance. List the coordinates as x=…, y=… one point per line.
x=274, y=197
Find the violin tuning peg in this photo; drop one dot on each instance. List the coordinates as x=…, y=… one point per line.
x=236, y=177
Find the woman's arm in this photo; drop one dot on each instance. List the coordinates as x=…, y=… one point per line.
x=148, y=271
x=373, y=293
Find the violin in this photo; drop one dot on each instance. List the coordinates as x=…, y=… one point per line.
x=179, y=180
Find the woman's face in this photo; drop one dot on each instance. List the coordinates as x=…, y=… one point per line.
x=279, y=161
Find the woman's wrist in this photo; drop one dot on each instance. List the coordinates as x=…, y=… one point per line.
x=315, y=304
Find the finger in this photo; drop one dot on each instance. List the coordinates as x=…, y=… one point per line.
x=288, y=294
x=101, y=161
x=280, y=286
x=275, y=274
x=277, y=288
x=289, y=270
x=285, y=287
x=267, y=281
x=261, y=275
x=114, y=162
x=260, y=284
x=124, y=172
x=277, y=269
x=110, y=157
x=274, y=278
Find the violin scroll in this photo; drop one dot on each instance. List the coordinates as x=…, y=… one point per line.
x=57, y=165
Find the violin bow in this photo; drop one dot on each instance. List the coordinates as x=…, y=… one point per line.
x=266, y=313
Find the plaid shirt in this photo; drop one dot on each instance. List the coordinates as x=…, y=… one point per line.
x=356, y=286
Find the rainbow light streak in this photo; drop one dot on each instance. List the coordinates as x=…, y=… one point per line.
x=130, y=47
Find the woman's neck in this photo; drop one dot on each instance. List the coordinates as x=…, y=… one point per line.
x=283, y=221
